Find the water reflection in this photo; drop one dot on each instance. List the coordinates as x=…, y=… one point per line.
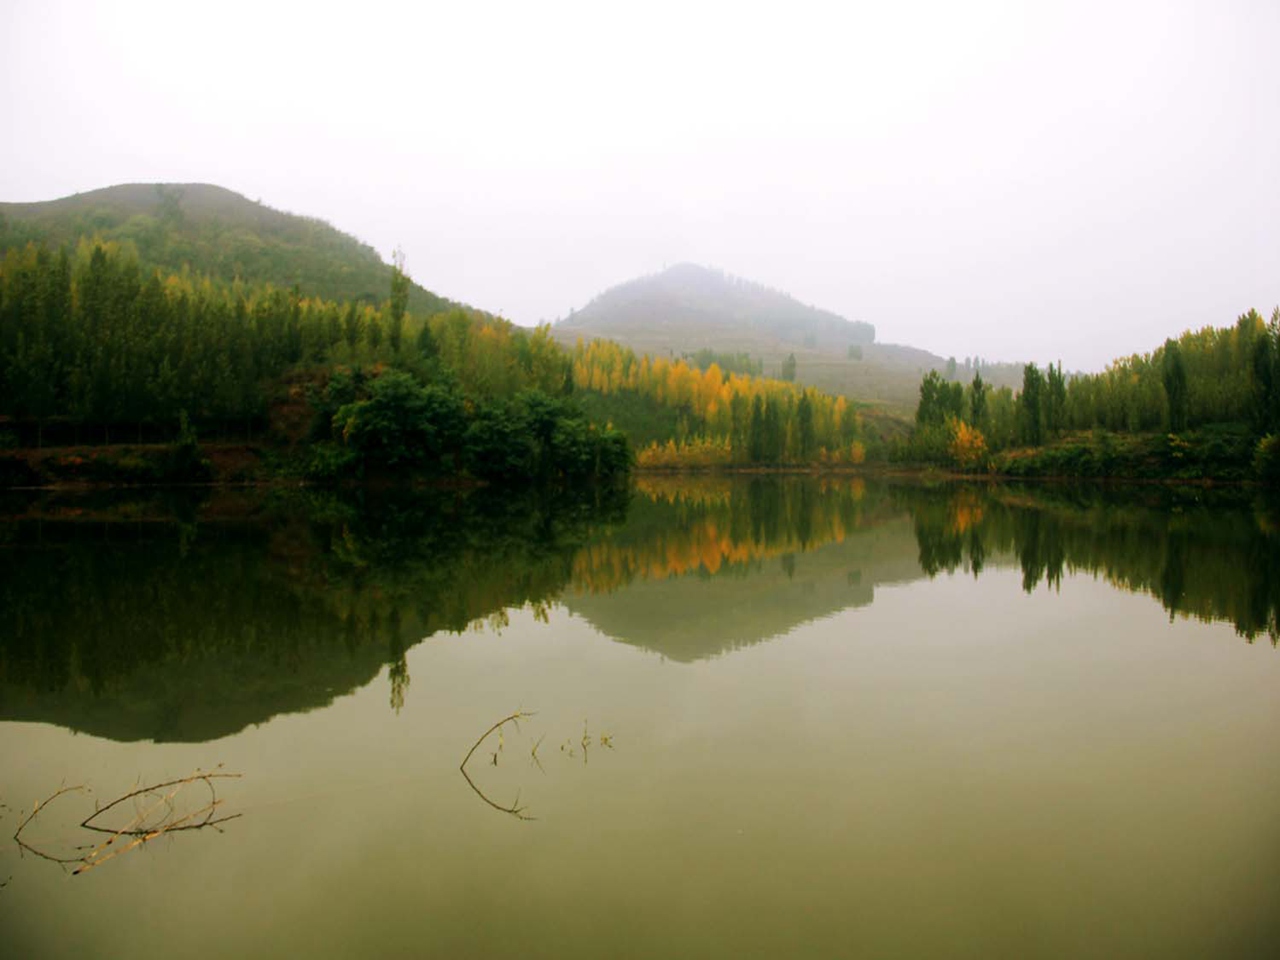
x=129, y=626
x=176, y=620
x=1212, y=556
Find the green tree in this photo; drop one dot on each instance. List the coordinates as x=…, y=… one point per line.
x=1030, y=422
x=403, y=424
x=804, y=428
x=757, y=441
x=399, y=303
x=1054, y=400
x=1174, y=375
x=938, y=400
x=978, y=402
x=788, y=371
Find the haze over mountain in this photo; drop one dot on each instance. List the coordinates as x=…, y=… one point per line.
x=219, y=232
x=687, y=308
x=946, y=171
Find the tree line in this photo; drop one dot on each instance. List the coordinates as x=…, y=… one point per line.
x=1211, y=378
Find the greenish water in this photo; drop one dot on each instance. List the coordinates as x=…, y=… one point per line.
x=768, y=718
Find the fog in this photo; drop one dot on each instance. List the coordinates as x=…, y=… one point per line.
x=1069, y=181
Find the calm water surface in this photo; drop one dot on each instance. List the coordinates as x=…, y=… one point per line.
x=762, y=719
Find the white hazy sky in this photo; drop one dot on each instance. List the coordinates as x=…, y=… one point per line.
x=1042, y=181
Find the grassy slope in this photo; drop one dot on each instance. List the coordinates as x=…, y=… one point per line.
x=216, y=231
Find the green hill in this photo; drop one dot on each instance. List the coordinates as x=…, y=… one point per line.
x=687, y=308
x=216, y=231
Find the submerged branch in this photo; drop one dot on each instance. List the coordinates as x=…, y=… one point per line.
x=144, y=826
x=25, y=847
x=513, y=718
x=515, y=809
x=206, y=778
x=568, y=748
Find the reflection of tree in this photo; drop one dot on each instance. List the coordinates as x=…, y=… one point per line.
x=940, y=548
x=120, y=628
x=397, y=664
x=977, y=551
x=1039, y=549
x=718, y=524
x=1213, y=561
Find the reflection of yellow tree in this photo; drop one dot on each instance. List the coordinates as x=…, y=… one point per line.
x=964, y=511
x=716, y=528
x=701, y=490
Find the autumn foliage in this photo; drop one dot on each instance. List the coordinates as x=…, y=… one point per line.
x=723, y=418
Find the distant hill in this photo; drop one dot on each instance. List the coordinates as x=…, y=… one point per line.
x=721, y=311
x=688, y=308
x=219, y=232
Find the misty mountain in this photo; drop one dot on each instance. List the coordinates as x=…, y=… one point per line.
x=687, y=308
x=727, y=312
x=215, y=231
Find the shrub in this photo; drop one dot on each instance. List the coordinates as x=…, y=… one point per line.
x=968, y=447
x=1266, y=459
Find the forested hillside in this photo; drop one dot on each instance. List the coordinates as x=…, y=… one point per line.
x=687, y=310
x=99, y=345
x=218, y=232
x=144, y=313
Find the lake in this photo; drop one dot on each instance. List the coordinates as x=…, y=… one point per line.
x=711, y=718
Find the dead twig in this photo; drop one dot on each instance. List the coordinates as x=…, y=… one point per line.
x=515, y=809
x=205, y=778
x=144, y=827
x=23, y=846
x=513, y=718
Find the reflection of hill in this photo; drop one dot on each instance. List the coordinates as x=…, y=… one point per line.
x=700, y=615
x=143, y=628
x=158, y=631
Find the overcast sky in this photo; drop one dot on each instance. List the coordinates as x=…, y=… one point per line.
x=1042, y=181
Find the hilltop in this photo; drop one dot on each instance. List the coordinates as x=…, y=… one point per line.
x=218, y=232
x=689, y=308
x=720, y=311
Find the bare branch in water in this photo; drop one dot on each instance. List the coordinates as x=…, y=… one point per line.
x=569, y=748
x=197, y=777
x=144, y=826
x=25, y=847
x=513, y=718
x=515, y=809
